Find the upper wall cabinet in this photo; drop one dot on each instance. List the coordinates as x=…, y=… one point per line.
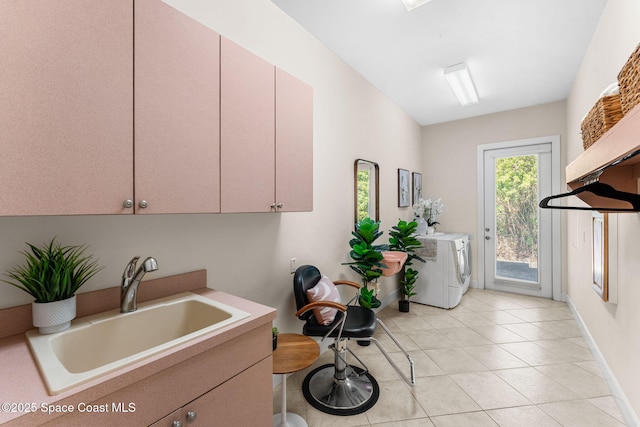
x=66, y=101
x=122, y=107
x=294, y=144
x=266, y=141
x=177, y=112
x=247, y=144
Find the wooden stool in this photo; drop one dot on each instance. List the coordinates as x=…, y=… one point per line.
x=295, y=352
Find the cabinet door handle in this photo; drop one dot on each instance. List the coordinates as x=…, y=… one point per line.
x=127, y=204
x=191, y=417
x=143, y=204
x=177, y=424
x=279, y=205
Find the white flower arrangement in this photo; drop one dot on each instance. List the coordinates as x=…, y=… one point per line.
x=428, y=209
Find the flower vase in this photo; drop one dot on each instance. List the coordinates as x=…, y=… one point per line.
x=422, y=225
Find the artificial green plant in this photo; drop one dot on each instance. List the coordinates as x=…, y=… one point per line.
x=367, y=258
x=53, y=272
x=402, y=238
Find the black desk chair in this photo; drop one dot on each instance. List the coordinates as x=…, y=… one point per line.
x=340, y=388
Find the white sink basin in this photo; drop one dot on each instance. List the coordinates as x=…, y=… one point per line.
x=98, y=344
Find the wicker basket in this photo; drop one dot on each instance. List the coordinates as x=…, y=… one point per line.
x=629, y=82
x=606, y=113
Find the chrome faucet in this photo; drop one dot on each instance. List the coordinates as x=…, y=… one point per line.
x=131, y=279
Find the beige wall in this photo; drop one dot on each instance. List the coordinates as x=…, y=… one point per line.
x=614, y=327
x=248, y=254
x=450, y=151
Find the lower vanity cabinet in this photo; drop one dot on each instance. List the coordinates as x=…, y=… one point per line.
x=237, y=402
x=228, y=385
x=174, y=419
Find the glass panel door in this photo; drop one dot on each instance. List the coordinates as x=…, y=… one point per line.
x=517, y=243
x=516, y=207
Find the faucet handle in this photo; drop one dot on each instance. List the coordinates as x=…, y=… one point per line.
x=130, y=269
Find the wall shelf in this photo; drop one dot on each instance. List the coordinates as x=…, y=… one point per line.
x=614, y=155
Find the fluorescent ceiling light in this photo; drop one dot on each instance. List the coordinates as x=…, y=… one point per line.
x=412, y=4
x=461, y=84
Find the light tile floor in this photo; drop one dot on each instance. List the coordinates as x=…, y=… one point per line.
x=497, y=359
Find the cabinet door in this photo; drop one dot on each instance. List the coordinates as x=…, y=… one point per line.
x=244, y=400
x=170, y=419
x=247, y=147
x=177, y=98
x=66, y=107
x=294, y=143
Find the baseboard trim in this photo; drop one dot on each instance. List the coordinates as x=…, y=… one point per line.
x=389, y=299
x=630, y=417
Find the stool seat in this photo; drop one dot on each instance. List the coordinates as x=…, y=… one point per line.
x=294, y=353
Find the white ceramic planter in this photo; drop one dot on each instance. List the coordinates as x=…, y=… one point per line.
x=52, y=317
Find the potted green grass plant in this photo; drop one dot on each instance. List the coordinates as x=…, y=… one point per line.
x=274, y=334
x=402, y=238
x=52, y=274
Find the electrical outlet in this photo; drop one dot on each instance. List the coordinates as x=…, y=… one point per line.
x=292, y=265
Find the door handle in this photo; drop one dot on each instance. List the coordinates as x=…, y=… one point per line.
x=487, y=237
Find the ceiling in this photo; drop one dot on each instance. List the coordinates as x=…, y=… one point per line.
x=519, y=52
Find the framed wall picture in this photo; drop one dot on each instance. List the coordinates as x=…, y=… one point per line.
x=404, y=193
x=417, y=187
x=600, y=257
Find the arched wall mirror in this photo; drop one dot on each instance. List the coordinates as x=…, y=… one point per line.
x=366, y=190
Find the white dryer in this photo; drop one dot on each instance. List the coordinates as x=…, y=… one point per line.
x=445, y=275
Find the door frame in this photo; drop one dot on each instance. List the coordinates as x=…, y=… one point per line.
x=556, y=224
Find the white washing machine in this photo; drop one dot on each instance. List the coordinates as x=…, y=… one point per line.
x=445, y=275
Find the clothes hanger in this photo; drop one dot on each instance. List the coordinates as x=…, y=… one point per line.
x=599, y=189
